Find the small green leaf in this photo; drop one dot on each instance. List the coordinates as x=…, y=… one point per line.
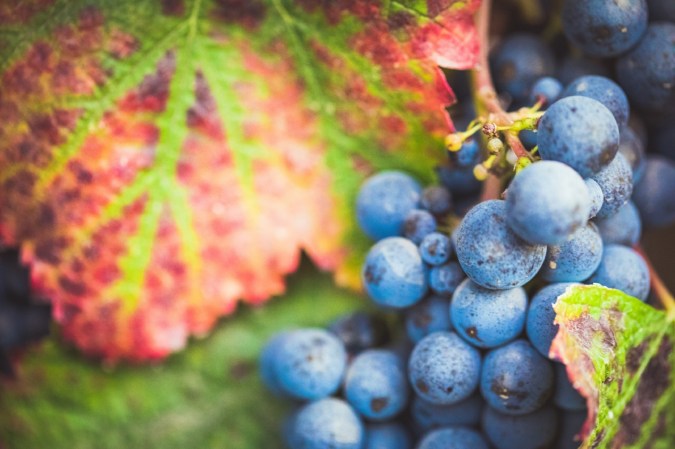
x=619, y=353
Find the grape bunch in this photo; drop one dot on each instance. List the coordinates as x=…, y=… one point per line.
x=23, y=319
x=459, y=354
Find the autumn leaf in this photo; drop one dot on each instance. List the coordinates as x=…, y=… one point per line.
x=160, y=160
x=619, y=351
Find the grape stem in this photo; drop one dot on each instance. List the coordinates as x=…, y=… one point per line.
x=486, y=100
x=658, y=286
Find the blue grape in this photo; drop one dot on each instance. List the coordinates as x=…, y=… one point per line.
x=452, y=438
x=623, y=269
x=604, y=28
x=359, y=331
x=595, y=195
x=376, y=384
x=570, y=427
x=518, y=62
x=309, y=363
x=326, y=424
x=633, y=150
x=540, y=315
x=488, y=318
x=435, y=248
x=566, y=396
x=516, y=379
x=468, y=155
x=394, y=274
x=546, y=202
x=580, y=132
x=417, y=225
x=444, y=279
x=437, y=200
x=267, y=361
x=384, y=201
x=390, y=435
x=443, y=368
x=532, y=431
x=623, y=228
x=528, y=138
x=605, y=91
x=646, y=73
x=490, y=253
x=576, y=259
x=427, y=416
x=426, y=317
x=572, y=67
x=616, y=182
x=459, y=180
x=547, y=88
x=653, y=195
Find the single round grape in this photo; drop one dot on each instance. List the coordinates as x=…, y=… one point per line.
x=359, y=331
x=427, y=416
x=384, y=201
x=444, y=279
x=576, y=259
x=267, y=362
x=570, y=427
x=517, y=62
x=488, y=318
x=309, y=363
x=596, y=196
x=580, y=132
x=516, y=379
x=540, y=316
x=376, y=385
x=389, y=435
x=547, y=202
x=437, y=200
x=532, y=431
x=623, y=269
x=326, y=424
x=566, y=396
x=646, y=73
x=633, y=150
x=605, y=91
x=436, y=248
x=528, y=138
x=490, y=253
x=546, y=88
x=417, y=225
x=453, y=438
x=394, y=274
x=459, y=180
x=443, y=368
x=623, y=228
x=426, y=317
x=603, y=28
x=616, y=182
x=653, y=195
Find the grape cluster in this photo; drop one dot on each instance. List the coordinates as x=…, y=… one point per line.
x=459, y=356
x=23, y=319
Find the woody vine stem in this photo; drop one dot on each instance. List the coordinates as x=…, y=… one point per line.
x=493, y=119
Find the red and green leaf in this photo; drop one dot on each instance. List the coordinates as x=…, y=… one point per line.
x=619, y=352
x=161, y=160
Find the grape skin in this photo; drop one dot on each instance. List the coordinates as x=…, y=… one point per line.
x=580, y=132
x=490, y=253
x=488, y=318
